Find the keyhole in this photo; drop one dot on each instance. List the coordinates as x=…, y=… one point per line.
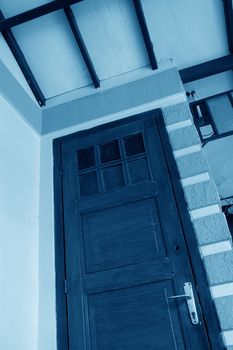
x=177, y=247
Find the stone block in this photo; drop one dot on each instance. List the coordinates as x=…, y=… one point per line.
x=201, y=194
x=224, y=308
x=192, y=164
x=211, y=229
x=176, y=113
x=184, y=137
x=219, y=267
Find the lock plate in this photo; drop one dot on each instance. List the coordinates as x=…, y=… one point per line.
x=191, y=303
x=189, y=297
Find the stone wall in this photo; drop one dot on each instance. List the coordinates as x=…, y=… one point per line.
x=203, y=203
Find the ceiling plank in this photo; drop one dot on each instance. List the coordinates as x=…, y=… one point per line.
x=26, y=70
x=145, y=33
x=82, y=47
x=206, y=69
x=36, y=12
x=228, y=10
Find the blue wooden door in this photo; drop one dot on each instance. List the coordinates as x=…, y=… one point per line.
x=124, y=247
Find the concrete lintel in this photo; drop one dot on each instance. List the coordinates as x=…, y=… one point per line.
x=152, y=91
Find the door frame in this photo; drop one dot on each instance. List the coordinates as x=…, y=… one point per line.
x=202, y=287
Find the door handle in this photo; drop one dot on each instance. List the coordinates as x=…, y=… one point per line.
x=188, y=295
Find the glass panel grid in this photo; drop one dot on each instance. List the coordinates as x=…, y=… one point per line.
x=86, y=158
x=134, y=144
x=109, y=151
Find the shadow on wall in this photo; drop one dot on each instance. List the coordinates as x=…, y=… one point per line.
x=47, y=308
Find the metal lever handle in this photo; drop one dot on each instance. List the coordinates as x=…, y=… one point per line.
x=187, y=296
x=190, y=301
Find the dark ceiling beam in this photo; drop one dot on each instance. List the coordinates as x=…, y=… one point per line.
x=81, y=44
x=206, y=69
x=145, y=33
x=36, y=12
x=228, y=10
x=16, y=51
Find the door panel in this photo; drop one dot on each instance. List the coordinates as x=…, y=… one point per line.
x=113, y=237
x=134, y=318
x=124, y=246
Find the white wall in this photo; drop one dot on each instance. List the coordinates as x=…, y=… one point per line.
x=47, y=307
x=19, y=200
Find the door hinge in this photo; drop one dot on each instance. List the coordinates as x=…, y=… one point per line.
x=60, y=171
x=65, y=287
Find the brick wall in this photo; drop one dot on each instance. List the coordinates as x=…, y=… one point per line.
x=203, y=203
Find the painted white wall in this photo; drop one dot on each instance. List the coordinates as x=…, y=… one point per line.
x=47, y=307
x=19, y=204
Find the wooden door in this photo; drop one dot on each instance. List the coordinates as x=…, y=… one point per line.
x=125, y=252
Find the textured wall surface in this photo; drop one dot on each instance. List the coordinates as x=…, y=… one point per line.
x=210, y=226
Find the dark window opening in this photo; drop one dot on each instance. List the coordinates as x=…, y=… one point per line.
x=109, y=151
x=86, y=158
x=134, y=144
